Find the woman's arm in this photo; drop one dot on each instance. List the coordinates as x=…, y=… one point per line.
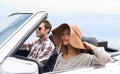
x=100, y=55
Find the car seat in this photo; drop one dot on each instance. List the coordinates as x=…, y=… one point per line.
x=51, y=61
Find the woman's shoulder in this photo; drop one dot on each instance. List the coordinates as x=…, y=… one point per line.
x=83, y=54
x=86, y=55
x=60, y=56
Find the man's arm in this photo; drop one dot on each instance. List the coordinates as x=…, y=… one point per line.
x=27, y=46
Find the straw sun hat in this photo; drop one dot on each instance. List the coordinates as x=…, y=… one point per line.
x=74, y=39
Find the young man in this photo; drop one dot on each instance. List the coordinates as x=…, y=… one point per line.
x=43, y=48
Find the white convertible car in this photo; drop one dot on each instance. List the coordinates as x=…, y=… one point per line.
x=19, y=28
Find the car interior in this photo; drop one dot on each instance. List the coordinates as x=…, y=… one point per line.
x=48, y=67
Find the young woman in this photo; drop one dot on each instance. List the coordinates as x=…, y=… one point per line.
x=72, y=50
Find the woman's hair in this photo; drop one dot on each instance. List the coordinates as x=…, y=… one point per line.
x=64, y=49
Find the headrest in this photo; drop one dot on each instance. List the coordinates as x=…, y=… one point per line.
x=91, y=40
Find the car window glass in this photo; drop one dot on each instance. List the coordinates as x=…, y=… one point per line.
x=11, y=24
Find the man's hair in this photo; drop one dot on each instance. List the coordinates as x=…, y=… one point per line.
x=48, y=25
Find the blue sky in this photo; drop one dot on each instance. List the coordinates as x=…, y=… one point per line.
x=99, y=18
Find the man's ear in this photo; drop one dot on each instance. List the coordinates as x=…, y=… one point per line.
x=47, y=30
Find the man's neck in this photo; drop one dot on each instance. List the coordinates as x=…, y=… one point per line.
x=44, y=37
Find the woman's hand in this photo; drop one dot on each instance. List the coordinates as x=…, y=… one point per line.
x=89, y=45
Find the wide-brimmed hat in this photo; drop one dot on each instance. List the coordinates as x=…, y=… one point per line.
x=74, y=39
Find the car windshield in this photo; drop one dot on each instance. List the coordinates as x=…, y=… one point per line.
x=11, y=24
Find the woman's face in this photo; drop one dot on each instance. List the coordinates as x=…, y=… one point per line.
x=65, y=36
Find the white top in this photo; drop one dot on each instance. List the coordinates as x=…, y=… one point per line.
x=99, y=58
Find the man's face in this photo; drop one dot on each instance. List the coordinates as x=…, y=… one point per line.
x=41, y=31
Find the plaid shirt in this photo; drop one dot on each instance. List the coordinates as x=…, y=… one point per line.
x=41, y=51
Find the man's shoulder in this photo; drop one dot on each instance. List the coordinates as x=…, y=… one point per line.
x=49, y=42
